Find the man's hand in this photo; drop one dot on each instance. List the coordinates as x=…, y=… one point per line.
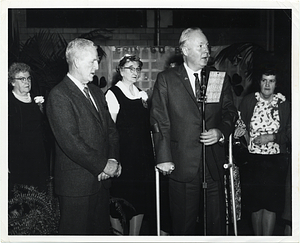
x=119, y=170
x=103, y=176
x=111, y=167
x=211, y=136
x=166, y=168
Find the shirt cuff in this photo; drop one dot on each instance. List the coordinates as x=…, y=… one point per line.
x=222, y=139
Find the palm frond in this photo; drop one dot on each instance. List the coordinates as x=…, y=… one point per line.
x=32, y=212
x=45, y=53
x=97, y=34
x=241, y=59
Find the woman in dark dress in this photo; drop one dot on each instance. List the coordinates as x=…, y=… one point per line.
x=27, y=160
x=267, y=129
x=129, y=109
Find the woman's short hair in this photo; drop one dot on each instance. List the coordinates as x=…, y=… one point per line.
x=128, y=58
x=267, y=70
x=15, y=68
x=76, y=47
x=264, y=69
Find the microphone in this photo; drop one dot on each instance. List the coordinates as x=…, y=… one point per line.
x=203, y=81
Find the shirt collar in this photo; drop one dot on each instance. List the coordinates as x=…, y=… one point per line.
x=76, y=81
x=190, y=71
x=125, y=90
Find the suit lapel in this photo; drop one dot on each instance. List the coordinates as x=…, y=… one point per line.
x=80, y=96
x=184, y=78
x=98, y=103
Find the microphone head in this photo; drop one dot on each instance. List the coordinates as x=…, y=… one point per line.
x=203, y=77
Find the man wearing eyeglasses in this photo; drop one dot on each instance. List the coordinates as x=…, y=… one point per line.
x=178, y=118
x=86, y=144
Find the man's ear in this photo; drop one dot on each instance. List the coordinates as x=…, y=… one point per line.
x=184, y=50
x=76, y=63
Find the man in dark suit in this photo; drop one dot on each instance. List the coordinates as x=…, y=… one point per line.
x=179, y=141
x=86, y=150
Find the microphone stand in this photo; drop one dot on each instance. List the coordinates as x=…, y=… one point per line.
x=204, y=183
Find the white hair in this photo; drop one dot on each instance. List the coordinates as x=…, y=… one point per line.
x=76, y=47
x=185, y=35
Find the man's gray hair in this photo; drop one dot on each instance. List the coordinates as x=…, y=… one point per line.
x=75, y=48
x=185, y=35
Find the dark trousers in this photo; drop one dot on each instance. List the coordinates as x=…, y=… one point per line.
x=88, y=215
x=186, y=204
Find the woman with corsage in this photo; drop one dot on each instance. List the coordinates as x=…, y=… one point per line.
x=129, y=109
x=27, y=157
x=267, y=119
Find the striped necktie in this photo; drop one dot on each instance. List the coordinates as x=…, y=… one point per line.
x=197, y=87
x=88, y=96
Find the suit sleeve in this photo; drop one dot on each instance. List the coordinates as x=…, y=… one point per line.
x=160, y=120
x=113, y=135
x=64, y=123
x=284, y=134
x=229, y=111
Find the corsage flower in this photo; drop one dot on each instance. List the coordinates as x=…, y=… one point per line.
x=143, y=95
x=39, y=100
x=281, y=97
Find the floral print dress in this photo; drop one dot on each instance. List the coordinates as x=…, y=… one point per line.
x=265, y=120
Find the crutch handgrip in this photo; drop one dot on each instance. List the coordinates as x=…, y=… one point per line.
x=227, y=166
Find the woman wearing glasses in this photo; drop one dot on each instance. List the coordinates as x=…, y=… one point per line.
x=129, y=109
x=27, y=155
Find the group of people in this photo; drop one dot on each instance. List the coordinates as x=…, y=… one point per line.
x=104, y=148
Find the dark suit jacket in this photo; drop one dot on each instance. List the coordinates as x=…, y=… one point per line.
x=85, y=138
x=175, y=110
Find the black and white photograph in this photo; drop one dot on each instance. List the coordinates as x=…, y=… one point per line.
x=149, y=122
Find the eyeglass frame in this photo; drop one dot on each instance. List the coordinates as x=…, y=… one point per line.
x=24, y=79
x=132, y=69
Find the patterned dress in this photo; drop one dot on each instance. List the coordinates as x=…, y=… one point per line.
x=267, y=165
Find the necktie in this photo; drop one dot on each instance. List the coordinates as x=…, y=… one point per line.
x=197, y=87
x=87, y=94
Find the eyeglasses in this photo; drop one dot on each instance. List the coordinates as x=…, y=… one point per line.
x=24, y=79
x=133, y=69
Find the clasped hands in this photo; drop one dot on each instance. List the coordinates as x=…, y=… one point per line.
x=112, y=169
x=259, y=140
x=264, y=139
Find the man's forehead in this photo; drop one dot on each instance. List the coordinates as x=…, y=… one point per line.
x=198, y=38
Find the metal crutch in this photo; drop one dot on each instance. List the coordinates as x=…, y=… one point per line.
x=157, y=188
x=230, y=166
x=157, y=201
